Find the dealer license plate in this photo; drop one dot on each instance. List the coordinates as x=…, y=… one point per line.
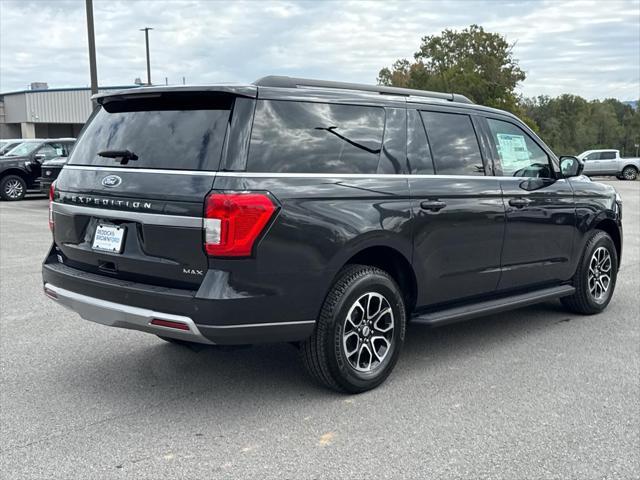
x=108, y=238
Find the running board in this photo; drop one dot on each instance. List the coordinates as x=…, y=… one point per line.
x=489, y=307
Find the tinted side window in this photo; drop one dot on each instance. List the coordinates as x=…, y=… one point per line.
x=304, y=137
x=67, y=149
x=593, y=156
x=61, y=149
x=394, y=145
x=518, y=154
x=50, y=151
x=607, y=155
x=454, y=144
x=418, y=151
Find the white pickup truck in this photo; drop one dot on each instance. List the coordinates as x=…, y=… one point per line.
x=609, y=162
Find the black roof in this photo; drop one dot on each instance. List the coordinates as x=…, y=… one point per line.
x=291, y=82
x=292, y=88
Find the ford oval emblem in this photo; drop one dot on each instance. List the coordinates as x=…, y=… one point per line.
x=111, y=181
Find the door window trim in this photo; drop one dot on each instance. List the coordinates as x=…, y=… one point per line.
x=244, y=174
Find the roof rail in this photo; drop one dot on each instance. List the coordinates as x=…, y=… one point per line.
x=292, y=82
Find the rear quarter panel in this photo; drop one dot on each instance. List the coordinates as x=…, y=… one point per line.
x=321, y=223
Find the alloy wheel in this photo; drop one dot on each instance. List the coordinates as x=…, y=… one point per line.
x=629, y=174
x=368, y=332
x=13, y=188
x=599, y=277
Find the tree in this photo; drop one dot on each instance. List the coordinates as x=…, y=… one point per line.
x=481, y=65
x=472, y=62
x=570, y=124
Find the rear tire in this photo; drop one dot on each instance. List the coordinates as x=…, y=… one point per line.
x=12, y=188
x=595, y=278
x=630, y=173
x=359, y=333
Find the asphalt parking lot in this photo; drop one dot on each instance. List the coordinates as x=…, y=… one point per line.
x=535, y=393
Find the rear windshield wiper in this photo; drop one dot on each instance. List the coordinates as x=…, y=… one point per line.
x=123, y=155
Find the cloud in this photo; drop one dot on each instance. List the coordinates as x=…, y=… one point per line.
x=588, y=48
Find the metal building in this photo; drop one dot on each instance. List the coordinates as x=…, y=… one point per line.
x=46, y=113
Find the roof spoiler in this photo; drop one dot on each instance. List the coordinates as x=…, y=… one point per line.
x=147, y=92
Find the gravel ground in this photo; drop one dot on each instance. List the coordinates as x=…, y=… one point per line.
x=534, y=393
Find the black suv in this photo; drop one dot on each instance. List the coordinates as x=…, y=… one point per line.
x=21, y=167
x=323, y=214
x=49, y=171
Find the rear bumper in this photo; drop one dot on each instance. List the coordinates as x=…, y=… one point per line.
x=125, y=316
x=132, y=305
x=44, y=184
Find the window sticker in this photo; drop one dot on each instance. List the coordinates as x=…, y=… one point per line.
x=513, y=151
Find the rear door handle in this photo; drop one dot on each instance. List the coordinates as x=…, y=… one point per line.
x=519, y=202
x=433, y=205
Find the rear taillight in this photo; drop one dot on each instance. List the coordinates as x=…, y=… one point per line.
x=52, y=192
x=234, y=221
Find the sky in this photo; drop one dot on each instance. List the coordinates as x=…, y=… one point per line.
x=587, y=48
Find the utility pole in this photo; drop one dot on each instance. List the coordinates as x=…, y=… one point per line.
x=92, y=49
x=146, y=39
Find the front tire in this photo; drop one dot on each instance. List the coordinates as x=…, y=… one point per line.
x=12, y=188
x=595, y=278
x=630, y=173
x=359, y=333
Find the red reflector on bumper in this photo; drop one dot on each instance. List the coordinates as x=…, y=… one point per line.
x=50, y=293
x=169, y=324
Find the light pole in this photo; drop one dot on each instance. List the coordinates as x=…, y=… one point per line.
x=146, y=39
x=92, y=48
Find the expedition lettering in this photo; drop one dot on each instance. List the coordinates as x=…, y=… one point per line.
x=109, y=202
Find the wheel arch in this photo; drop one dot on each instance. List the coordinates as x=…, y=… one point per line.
x=15, y=171
x=608, y=225
x=395, y=263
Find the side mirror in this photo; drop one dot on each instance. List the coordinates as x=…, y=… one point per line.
x=39, y=157
x=571, y=166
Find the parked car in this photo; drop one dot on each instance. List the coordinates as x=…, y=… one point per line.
x=49, y=172
x=609, y=162
x=324, y=214
x=20, y=168
x=8, y=144
x=15, y=143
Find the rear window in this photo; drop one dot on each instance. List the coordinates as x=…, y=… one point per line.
x=304, y=137
x=177, y=131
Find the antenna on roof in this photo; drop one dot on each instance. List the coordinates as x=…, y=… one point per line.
x=291, y=82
